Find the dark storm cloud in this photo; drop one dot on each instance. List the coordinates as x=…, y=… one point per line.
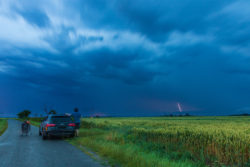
x=125, y=57
x=35, y=17
x=120, y=64
x=154, y=19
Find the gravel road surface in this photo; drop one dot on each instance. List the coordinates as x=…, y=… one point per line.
x=32, y=151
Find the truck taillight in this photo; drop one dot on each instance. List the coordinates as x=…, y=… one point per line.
x=72, y=124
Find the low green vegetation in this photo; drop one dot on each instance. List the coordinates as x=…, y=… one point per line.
x=3, y=125
x=35, y=121
x=168, y=141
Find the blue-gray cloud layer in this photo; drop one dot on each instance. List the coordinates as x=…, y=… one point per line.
x=125, y=57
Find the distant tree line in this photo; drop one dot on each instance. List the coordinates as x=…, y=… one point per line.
x=177, y=115
x=244, y=114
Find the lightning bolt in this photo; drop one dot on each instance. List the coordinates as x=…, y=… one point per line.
x=179, y=107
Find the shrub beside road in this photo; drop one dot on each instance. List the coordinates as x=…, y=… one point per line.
x=3, y=125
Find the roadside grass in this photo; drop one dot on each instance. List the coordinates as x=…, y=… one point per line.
x=35, y=121
x=3, y=125
x=123, y=153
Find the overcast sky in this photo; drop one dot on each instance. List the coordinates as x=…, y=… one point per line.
x=125, y=57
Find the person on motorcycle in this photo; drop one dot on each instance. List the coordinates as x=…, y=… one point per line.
x=25, y=127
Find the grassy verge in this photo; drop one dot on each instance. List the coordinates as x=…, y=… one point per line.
x=35, y=121
x=122, y=152
x=3, y=126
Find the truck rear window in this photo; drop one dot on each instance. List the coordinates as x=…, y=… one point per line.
x=60, y=119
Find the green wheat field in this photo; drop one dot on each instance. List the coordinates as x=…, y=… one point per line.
x=169, y=141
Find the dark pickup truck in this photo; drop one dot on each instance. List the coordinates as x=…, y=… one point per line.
x=57, y=125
